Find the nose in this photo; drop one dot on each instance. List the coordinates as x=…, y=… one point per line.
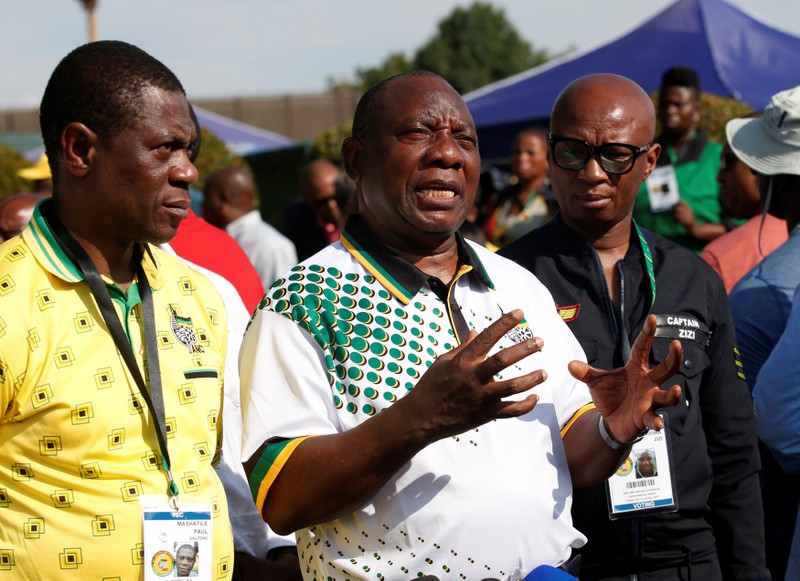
x=592, y=171
x=184, y=171
x=445, y=151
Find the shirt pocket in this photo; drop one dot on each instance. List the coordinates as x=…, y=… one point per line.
x=685, y=415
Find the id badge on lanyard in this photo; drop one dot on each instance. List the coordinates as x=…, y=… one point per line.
x=645, y=482
x=177, y=543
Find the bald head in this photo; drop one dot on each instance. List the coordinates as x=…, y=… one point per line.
x=228, y=194
x=16, y=212
x=606, y=98
x=319, y=189
x=319, y=175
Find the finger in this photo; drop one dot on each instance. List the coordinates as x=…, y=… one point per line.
x=584, y=372
x=514, y=409
x=640, y=352
x=671, y=364
x=515, y=385
x=653, y=420
x=507, y=357
x=480, y=346
x=667, y=398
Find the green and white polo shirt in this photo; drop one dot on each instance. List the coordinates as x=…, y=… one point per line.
x=350, y=331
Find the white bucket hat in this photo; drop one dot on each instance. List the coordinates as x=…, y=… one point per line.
x=770, y=144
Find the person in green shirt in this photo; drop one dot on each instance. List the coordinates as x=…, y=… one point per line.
x=695, y=159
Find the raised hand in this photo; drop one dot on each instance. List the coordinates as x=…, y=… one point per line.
x=461, y=389
x=628, y=396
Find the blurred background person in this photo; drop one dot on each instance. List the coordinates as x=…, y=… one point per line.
x=39, y=174
x=528, y=202
x=315, y=221
x=16, y=212
x=733, y=254
x=693, y=157
x=762, y=300
x=230, y=199
x=777, y=401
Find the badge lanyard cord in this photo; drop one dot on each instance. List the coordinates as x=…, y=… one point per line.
x=648, y=263
x=153, y=396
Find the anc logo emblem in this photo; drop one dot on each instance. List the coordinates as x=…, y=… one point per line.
x=569, y=313
x=626, y=468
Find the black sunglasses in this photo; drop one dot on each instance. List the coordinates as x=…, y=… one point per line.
x=614, y=158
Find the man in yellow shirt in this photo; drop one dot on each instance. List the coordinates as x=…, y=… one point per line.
x=111, y=351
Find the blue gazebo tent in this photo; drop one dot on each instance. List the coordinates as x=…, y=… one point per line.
x=735, y=54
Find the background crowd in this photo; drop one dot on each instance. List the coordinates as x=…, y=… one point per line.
x=717, y=220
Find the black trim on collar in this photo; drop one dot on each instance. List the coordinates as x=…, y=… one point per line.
x=403, y=272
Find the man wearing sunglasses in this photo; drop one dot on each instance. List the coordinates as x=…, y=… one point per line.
x=606, y=275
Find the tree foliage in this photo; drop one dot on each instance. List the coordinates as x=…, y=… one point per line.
x=473, y=47
x=11, y=161
x=214, y=155
x=476, y=46
x=716, y=112
x=395, y=64
x=328, y=144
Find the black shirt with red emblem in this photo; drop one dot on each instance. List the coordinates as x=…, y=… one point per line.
x=712, y=429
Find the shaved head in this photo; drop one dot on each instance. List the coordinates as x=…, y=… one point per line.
x=606, y=98
x=228, y=194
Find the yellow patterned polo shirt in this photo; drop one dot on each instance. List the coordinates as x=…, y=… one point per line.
x=78, y=445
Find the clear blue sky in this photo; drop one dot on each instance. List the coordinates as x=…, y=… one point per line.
x=225, y=48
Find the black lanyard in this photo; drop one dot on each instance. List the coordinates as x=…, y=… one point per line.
x=153, y=396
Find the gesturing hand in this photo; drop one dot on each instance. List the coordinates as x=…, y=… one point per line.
x=461, y=391
x=627, y=397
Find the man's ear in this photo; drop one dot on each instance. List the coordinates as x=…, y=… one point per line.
x=351, y=150
x=80, y=145
x=651, y=157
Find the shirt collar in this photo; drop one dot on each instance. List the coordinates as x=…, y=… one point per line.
x=398, y=276
x=51, y=256
x=571, y=242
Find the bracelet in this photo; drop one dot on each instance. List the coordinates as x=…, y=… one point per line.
x=611, y=441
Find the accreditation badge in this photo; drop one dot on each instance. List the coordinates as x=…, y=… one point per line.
x=662, y=188
x=177, y=542
x=645, y=482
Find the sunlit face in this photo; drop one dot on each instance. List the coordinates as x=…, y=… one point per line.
x=738, y=186
x=184, y=561
x=529, y=156
x=141, y=176
x=589, y=198
x=678, y=109
x=417, y=167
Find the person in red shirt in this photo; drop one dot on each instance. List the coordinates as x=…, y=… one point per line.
x=201, y=243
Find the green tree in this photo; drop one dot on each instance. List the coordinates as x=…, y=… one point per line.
x=473, y=47
x=476, y=46
x=11, y=161
x=716, y=112
x=395, y=64
x=214, y=155
x=328, y=144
